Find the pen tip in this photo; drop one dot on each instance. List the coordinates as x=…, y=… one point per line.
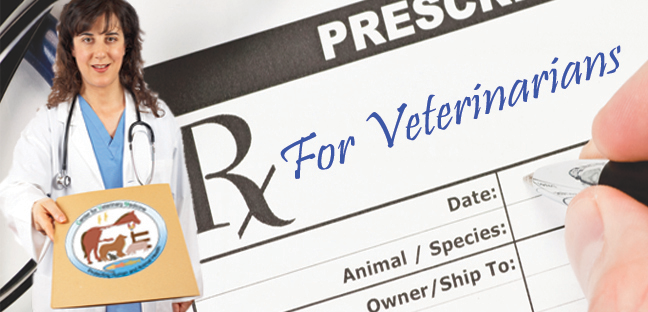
x=528, y=179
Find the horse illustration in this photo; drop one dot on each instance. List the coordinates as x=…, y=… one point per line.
x=117, y=246
x=90, y=239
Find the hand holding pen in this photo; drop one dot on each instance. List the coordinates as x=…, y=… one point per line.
x=606, y=231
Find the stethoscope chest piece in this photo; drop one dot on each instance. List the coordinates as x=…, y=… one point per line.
x=62, y=180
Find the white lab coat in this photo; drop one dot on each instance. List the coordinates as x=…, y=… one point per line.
x=37, y=160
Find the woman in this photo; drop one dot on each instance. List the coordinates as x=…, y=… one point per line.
x=98, y=66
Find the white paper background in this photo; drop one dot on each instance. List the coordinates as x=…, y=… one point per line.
x=336, y=103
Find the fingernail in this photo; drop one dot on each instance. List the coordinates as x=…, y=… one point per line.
x=584, y=236
x=61, y=219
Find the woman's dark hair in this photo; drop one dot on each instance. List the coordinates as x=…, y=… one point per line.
x=79, y=16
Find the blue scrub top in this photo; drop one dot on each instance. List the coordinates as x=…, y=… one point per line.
x=109, y=153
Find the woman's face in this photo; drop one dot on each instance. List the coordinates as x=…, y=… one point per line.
x=99, y=55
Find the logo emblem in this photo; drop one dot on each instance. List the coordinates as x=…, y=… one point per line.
x=116, y=239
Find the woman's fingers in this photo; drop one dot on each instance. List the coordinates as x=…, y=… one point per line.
x=590, y=151
x=43, y=223
x=620, y=130
x=606, y=232
x=182, y=306
x=54, y=210
x=44, y=213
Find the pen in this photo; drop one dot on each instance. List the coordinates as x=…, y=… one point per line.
x=562, y=181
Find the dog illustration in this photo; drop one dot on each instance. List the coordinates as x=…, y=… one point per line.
x=117, y=246
x=91, y=238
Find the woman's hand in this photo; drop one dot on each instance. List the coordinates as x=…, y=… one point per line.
x=606, y=231
x=181, y=306
x=44, y=213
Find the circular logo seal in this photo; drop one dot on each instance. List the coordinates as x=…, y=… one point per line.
x=116, y=239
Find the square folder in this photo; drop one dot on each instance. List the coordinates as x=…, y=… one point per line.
x=118, y=246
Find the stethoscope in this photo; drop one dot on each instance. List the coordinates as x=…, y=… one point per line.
x=63, y=180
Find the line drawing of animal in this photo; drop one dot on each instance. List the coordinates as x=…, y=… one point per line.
x=133, y=248
x=90, y=239
x=117, y=246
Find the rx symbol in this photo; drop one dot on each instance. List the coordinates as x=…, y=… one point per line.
x=251, y=192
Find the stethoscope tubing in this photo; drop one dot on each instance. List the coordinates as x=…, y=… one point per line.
x=63, y=180
x=151, y=139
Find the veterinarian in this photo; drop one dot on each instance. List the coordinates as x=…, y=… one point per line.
x=97, y=94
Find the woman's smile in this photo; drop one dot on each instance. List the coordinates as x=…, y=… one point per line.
x=101, y=68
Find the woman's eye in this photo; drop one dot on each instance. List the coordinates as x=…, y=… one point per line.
x=87, y=40
x=112, y=39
